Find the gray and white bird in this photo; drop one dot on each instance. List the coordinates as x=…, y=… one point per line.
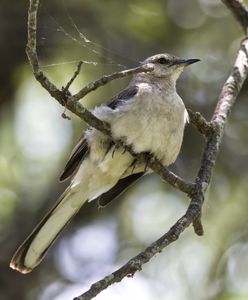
x=149, y=116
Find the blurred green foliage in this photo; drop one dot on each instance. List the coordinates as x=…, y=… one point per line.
x=35, y=142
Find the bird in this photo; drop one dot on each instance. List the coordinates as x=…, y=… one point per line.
x=149, y=116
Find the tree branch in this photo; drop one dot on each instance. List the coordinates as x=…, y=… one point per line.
x=213, y=131
x=203, y=126
x=135, y=264
x=240, y=12
x=107, y=78
x=76, y=73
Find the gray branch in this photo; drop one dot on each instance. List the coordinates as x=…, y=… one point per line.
x=240, y=12
x=213, y=132
x=135, y=264
x=76, y=73
x=106, y=79
x=203, y=126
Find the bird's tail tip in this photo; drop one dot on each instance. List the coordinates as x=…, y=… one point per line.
x=17, y=266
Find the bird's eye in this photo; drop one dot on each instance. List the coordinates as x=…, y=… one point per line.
x=163, y=61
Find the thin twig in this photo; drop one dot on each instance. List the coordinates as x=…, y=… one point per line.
x=240, y=12
x=66, y=88
x=107, y=78
x=203, y=126
x=76, y=73
x=165, y=174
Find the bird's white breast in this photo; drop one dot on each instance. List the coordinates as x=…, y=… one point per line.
x=153, y=121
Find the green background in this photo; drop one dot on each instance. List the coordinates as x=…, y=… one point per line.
x=35, y=142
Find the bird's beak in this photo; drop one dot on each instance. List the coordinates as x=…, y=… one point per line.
x=185, y=62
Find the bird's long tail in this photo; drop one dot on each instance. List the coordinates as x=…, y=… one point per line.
x=34, y=248
x=90, y=181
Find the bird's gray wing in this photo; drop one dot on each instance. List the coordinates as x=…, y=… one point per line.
x=77, y=155
x=120, y=187
x=81, y=149
x=123, y=96
x=126, y=182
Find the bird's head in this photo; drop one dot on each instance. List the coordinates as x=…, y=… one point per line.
x=167, y=65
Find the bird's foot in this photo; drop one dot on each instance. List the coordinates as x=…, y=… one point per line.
x=146, y=158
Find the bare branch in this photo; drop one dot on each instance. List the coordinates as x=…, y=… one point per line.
x=232, y=86
x=226, y=101
x=240, y=11
x=76, y=73
x=32, y=53
x=173, y=179
x=135, y=264
x=107, y=78
x=197, y=225
x=203, y=126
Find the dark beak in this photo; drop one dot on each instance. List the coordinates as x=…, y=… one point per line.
x=185, y=62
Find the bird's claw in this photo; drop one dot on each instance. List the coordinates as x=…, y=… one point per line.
x=147, y=158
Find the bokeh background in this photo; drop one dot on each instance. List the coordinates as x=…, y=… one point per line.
x=35, y=142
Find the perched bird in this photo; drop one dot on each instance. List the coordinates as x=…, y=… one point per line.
x=149, y=116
